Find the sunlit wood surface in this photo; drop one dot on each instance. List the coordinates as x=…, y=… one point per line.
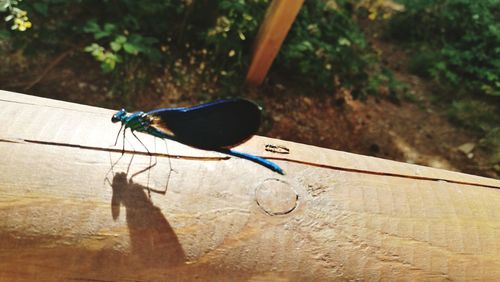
x=72, y=209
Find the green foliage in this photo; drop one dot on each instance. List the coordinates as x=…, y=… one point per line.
x=475, y=114
x=482, y=116
x=324, y=48
x=228, y=39
x=119, y=43
x=459, y=42
x=422, y=62
x=108, y=59
x=327, y=49
x=456, y=43
x=491, y=142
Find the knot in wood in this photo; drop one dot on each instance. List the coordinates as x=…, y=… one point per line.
x=276, y=197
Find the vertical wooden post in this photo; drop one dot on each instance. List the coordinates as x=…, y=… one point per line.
x=279, y=18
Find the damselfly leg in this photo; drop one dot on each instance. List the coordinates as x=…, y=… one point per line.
x=170, y=169
x=113, y=164
x=117, y=135
x=148, y=168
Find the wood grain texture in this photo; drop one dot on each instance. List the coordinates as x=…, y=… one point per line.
x=68, y=213
x=273, y=30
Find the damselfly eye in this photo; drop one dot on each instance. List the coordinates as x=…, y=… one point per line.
x=118, y=116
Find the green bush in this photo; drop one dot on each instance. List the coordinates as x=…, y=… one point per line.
x=491, y=142
x=475, y=114
x=456, y=43
x=483, y=116
x=228, y=38
x=459, y=42
x=324, y=48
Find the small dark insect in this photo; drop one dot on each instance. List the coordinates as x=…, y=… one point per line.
x=216, y=126
x=278, y=149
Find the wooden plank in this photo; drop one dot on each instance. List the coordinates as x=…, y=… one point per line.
x=279, y=18
x=66, y=213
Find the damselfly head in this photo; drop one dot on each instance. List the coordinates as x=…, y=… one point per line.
x=118, y=116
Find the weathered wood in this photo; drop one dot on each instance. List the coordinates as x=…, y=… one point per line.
x=66, y=213
x=277, y=22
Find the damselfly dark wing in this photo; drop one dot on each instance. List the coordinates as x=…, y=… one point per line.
x=216, y=125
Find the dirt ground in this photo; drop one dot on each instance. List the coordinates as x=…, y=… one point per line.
x=408, y=131
x=416, y=132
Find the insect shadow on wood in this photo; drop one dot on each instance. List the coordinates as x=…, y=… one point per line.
x=146, y=169
x=151, y=236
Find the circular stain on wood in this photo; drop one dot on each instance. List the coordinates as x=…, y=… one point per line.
x=276, y=197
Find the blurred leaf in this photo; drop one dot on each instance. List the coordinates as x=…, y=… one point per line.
x=131, y=49
x=115, y=46
x=41, y=7
x=109, y=27
x=120, y=39
x=4, y=35
x=91, y=27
